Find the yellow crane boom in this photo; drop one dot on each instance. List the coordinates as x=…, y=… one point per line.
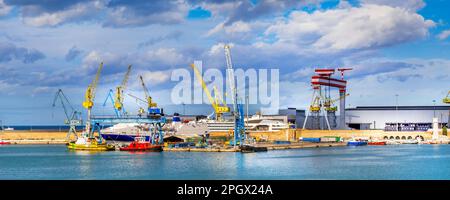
x=218, y=109
x=150, y=102
x=90, y=91
x=89, y=100
x=447, y=98
x=118, y=103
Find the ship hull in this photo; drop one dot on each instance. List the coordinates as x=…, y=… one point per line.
x=94, y=147
x=154, y=148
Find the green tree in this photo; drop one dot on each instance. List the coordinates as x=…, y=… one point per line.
x=444, y=130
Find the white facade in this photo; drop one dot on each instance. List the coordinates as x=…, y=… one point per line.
x=378, y=117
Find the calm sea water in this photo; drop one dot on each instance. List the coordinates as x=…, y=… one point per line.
x=368, y=162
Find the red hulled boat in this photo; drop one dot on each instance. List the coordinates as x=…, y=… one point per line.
x=377, y=143
x=139, y=144
x=4, y=142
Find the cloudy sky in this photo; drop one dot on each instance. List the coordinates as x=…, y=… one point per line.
x=395, y=47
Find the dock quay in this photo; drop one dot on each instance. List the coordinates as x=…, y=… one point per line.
x=193, y=149
x=269, y=146
x=299, y=145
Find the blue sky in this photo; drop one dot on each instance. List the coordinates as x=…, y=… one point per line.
x=395, y=47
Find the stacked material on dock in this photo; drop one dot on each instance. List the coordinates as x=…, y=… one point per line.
x=317, y=140
x=330, y=139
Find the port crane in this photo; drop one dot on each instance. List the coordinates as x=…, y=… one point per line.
x=116, y=97
x=73, y=117
x=238, y=111
x=152, y=107
x=219, y=110
x=88, y=103
x=322, y=78
x=447, y=98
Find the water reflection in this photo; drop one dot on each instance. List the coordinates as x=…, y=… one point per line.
x=381, y=162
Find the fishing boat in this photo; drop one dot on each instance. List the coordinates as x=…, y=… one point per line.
x=141, y=144
x=85, y=143
x=377, y=143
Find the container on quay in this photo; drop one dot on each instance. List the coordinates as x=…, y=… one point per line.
x=316, y=140
x=330, y=139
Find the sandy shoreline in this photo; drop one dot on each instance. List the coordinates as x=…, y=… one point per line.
x=34, y=137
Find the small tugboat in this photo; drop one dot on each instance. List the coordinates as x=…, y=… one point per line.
x=377, y=143
x=140, y=144
x=354, y=142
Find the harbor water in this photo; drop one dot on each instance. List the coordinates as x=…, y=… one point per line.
x=362, y=162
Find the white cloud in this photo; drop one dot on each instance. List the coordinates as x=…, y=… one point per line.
x=161, y=58
x=171, y=12
x=234, y=28
x=444, y=34
x=75, y=12
x=218, y=49
x=41, y=90
x=365, y=27
x=412, y=5
x=4, y=9
x=168, y=56
x=411, y=83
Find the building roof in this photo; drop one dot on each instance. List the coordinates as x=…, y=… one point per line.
x=399, y=108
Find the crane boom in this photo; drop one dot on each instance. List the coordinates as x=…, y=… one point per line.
x=118, y=103
x=147, y=94
x=219, y=110
x=239, y=125
x=90, y=91
x=64, y=103
x=74, y=118
x=231, y=75
x=89, y=100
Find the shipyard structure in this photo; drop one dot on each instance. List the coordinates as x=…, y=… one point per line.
x=387, y=118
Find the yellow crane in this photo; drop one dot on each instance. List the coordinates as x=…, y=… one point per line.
x=152, y=106
x=329, y=102
x=90, y=95
x=447, y=98
x=218, y=98
x=218, y=109
x=118, y=102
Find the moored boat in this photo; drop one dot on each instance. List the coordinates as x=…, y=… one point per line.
x=4, y=142
x=140, y=144
x=377, y=143
x=356, y=143
x=85, y=143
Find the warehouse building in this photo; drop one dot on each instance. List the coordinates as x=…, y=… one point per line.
x=294, y=116
x=396, y=118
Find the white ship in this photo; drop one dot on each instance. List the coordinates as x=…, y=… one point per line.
x=127, y=131
x=254, y=123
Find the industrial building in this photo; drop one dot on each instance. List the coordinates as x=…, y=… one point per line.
x=294, y=116
x=396, y=118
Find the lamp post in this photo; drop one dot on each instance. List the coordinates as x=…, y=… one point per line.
x=434, y=108
x=184, y=110
x=396, y=112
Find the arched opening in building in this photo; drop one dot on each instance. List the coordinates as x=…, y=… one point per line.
x=386, y=137
x=397, y=137
x=403, y=137
x=419, y=137
x=409, y=138
x=391, y=138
